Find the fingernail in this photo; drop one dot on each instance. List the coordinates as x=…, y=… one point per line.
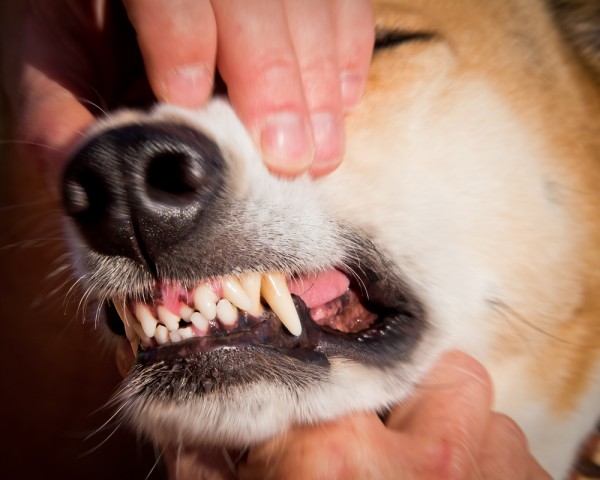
x=352, y=86
x=189, y=86
x=328, y=132
x=286, y=143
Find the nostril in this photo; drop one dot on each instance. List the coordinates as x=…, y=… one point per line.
x=137, y=190
x=174, y=173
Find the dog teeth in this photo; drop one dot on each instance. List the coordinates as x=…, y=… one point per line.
x=227, y=313
x=251, y=284
x=234, y=293
x=200, y=322
x=186, y=312
x=275, y=291
x=205, y=301
x=185, y=332
x=168, y=318
x=239, y=293
x=145, y=317
x=162, y=335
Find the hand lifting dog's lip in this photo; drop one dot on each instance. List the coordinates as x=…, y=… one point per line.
x=253, y=303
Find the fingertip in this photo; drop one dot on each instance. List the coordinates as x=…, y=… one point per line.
x=352, y=87
x=286, y=143
x=328, y=134
x=48, y=141
x=457, y=363
x=188, y=85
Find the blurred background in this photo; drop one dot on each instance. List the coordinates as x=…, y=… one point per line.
x=56, y=376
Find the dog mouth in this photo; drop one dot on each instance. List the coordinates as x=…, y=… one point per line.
x=309, y=317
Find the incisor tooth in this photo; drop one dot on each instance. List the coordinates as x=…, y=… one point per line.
x=233, y=291
x=275, y=291
x=251, y=284
x=145, y=317
x=200, y=322
x=227, y=313
x=186, y=312
x=161, y=335
x=205, y=301
x=185, y=332
x=168, y=318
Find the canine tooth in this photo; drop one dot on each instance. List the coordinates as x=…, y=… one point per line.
x=128, y=321
x=186, y=312
x=200, y=322
x=275, y=291
x=227, y=313
x=175, y=337
x=147, y=320
x=205, y=301
x=143, y=337
x=251, y=284
x=185, y=332
x=161, y=335
x=168, y=318
x=233, y=291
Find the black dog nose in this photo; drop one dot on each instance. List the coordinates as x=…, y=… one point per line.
x=138, y=190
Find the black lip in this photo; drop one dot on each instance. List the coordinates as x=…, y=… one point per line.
x=391, y=338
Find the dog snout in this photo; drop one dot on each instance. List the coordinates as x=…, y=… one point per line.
x=138, y=190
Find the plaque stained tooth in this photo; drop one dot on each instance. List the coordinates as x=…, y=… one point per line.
x=275, y=291
x=251, y=284
x=233, y=291
x=200, y=322
x=205, y=301
x=161, y=335
x=227, y=314
x=185, y=332
x=146, y=319
x=168, y=318
x=175, y=337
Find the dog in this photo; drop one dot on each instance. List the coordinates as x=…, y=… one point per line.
x=466, y=214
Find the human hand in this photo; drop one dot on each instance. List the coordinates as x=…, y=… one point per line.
x=447, y=430
x=292, y=68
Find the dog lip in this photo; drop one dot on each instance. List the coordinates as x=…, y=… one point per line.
x=269, y=334
x=399, y=322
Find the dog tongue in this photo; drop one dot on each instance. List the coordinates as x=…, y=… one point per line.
x=315, y=290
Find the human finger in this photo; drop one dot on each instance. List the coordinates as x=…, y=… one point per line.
x=505, y=454
x=257, y=61
x=178, y=41
x=48, y=75
x=449, y=410
x=313, y=31
x=355, y=36
x=356, y=446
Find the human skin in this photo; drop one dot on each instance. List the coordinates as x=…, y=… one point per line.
x=447, y=430
x=68, y=62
